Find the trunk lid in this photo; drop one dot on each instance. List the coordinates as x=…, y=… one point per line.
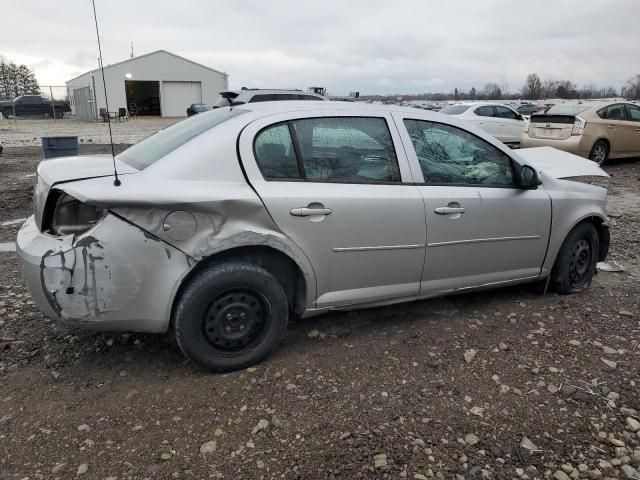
x=551, y=127
x=68, y=169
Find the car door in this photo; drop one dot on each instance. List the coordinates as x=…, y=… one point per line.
x=481, y=228
x=511, y=124
x=633, y=116
x=485, y=118
x=339, y=186
x=619, y=130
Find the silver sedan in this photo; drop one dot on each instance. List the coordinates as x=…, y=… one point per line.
x=227, y=223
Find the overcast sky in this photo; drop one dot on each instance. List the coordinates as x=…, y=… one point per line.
x=372, y=46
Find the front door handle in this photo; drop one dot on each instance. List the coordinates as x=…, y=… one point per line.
x=449, y=210
x=308, y=212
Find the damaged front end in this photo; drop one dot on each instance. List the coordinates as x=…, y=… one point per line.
x=111, y=275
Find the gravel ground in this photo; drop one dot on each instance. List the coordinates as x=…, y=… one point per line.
x=501, y=384
x=27, y=131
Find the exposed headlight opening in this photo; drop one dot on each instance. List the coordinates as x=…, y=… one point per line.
x=68, y=216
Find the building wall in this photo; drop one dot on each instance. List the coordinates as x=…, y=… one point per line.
x=159, y=66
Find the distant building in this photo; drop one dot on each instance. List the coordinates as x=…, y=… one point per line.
x=158, y=83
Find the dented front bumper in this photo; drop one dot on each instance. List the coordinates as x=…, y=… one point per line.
x=113, y=277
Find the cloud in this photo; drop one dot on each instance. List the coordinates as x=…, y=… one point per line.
x=373, y=46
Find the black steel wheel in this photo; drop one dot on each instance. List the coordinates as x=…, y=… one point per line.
x=577, y=259
x=230, y=316
x=236, y=320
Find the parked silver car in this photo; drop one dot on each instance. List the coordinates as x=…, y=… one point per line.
x=228, y=222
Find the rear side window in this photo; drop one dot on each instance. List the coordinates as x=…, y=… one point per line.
x=153, y=148
x=613, y=112
x=486, y=111
x=329, y=150
x=264, y=97
x=275, y=153
x=451, y=155
x=504, y=112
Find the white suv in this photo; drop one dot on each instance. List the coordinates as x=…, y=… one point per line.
x=253, y=95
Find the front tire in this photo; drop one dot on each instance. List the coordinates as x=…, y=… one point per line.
x=599, y=152
x=230, y=316
x=576, y=261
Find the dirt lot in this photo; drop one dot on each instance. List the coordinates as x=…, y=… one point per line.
x=500, y=384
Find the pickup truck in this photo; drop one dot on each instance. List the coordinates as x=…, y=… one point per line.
x=34, y=105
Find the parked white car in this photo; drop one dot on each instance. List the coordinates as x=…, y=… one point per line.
x=500, y=121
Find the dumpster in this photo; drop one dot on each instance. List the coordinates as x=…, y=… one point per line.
x=59, y=146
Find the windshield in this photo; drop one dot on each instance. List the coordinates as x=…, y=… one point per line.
x=153, y=148
x=568, y=109
x=455, y=109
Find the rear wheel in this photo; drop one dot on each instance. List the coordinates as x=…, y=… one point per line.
x=576, y=262
x=599, y=152
x=230, y=316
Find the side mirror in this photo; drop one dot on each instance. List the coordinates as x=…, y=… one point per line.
x=528, y=178
x=520, y=117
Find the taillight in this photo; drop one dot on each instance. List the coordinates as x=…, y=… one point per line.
x=72, y=217
x=578, y=126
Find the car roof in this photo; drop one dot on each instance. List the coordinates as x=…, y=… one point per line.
x=268, y=108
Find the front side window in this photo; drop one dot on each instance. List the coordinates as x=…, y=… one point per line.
x=275, y=153
x=504, y=112
x=634, y=112
x=346, y=149
x=486, y=111
x=450, y=155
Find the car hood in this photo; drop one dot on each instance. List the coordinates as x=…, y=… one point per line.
x=68, y=169
x=558, y=164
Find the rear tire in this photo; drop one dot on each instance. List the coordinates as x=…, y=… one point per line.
x=230, y=316
x=599, y=152
x=576, y=261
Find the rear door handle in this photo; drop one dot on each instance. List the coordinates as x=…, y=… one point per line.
x=307, y=212
x=448, y=210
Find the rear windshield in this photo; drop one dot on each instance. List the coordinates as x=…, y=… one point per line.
x=455, y=109
x=153, y=148
x=567, y=109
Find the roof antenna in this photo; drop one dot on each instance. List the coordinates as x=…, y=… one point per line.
x=116, y=182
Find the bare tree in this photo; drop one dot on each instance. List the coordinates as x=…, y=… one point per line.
x=549, y=88
x=608, y=92
x=16, y=80
x=566, y=89
x=632, y=89
x=492, y=91
x=532, y=87
x=588, y=91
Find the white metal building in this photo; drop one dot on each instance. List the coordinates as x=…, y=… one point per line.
x=158, y=83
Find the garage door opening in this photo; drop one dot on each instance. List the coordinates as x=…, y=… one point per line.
x=143, y=97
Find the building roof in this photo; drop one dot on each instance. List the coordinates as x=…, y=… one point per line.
x=107, y=67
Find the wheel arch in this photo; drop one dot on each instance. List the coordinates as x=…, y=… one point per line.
x=291, y=275
x=601, y=226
